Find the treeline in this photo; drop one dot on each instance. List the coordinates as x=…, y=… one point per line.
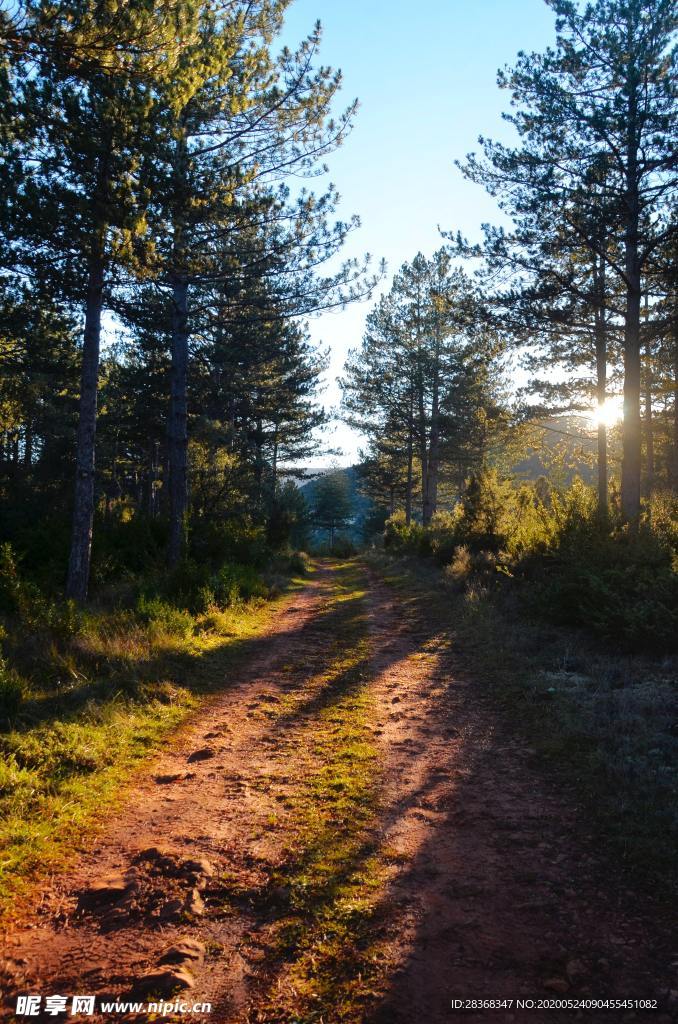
x=582, y=282
x=146, y=151
x=425, y=387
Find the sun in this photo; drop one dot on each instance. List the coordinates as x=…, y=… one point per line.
x=608, y=414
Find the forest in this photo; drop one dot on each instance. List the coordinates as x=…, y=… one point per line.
x=290, y=741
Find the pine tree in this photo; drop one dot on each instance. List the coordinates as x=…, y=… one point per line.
x=332, y=508
x=604, y=96
x=425, y=374
x=244, y=121
x=85, y=76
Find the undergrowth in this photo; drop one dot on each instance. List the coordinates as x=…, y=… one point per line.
x=559, y=556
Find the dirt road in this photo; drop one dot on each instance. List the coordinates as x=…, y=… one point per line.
x=348, y=833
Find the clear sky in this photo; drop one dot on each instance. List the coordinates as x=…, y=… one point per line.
x=424, y=72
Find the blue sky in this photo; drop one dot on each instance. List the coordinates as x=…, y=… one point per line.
x=425, y=75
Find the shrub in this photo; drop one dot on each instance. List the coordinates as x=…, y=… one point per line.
x=237, y=582
x=403, y=537
x=166, y=617
x=23, y=600
x=461, y=565
x=19, y=597
x=483, y=523
x=213, y=543
x=343, y=546
x=444, y=535
x=194, y=587
x=661, y=518
x=571, y=564
x=299, y=563
x=13, y=691
x=126, y=545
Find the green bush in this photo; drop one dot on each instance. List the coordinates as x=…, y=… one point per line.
x=403, y=537
x=214, y=543
x=299, y=563
x=23, y=600
x=238, y=582
x=568, y=562
x=343, y=546
x=126, y=546
x=196, y=588
x=444, y=535
x=172, y=620
x=13, y=691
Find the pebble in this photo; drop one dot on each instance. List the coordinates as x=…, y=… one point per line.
x=164, y=982
x=203, y=754
x=184, y=949
x=193, y=904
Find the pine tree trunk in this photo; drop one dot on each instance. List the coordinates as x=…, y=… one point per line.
x=649, y=428
x=178, y=422
x=674, y=446
x=601, y=388
x=28, y=447
x=632, y=442
x=649, y=441
x=83, y=505
x=434, y=446
x=274, y=461
x=631, y=457
x=423, y=455
x=410, y=463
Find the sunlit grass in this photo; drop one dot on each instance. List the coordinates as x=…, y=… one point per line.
x=71, y=755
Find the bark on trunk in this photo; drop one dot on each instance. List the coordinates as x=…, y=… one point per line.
x=434, y=443
x=83, y=505
x=423, y=455
x=274, y=462
x=674, y=452
x=410, y=463
x=178, y=422
x=649, y=428
x=631, y=458
x=601, y=388
x=631, y=450
x=28, y=447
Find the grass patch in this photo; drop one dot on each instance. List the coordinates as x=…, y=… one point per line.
x=109, y=698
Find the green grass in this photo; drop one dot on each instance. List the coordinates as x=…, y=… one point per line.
x=110, y=698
